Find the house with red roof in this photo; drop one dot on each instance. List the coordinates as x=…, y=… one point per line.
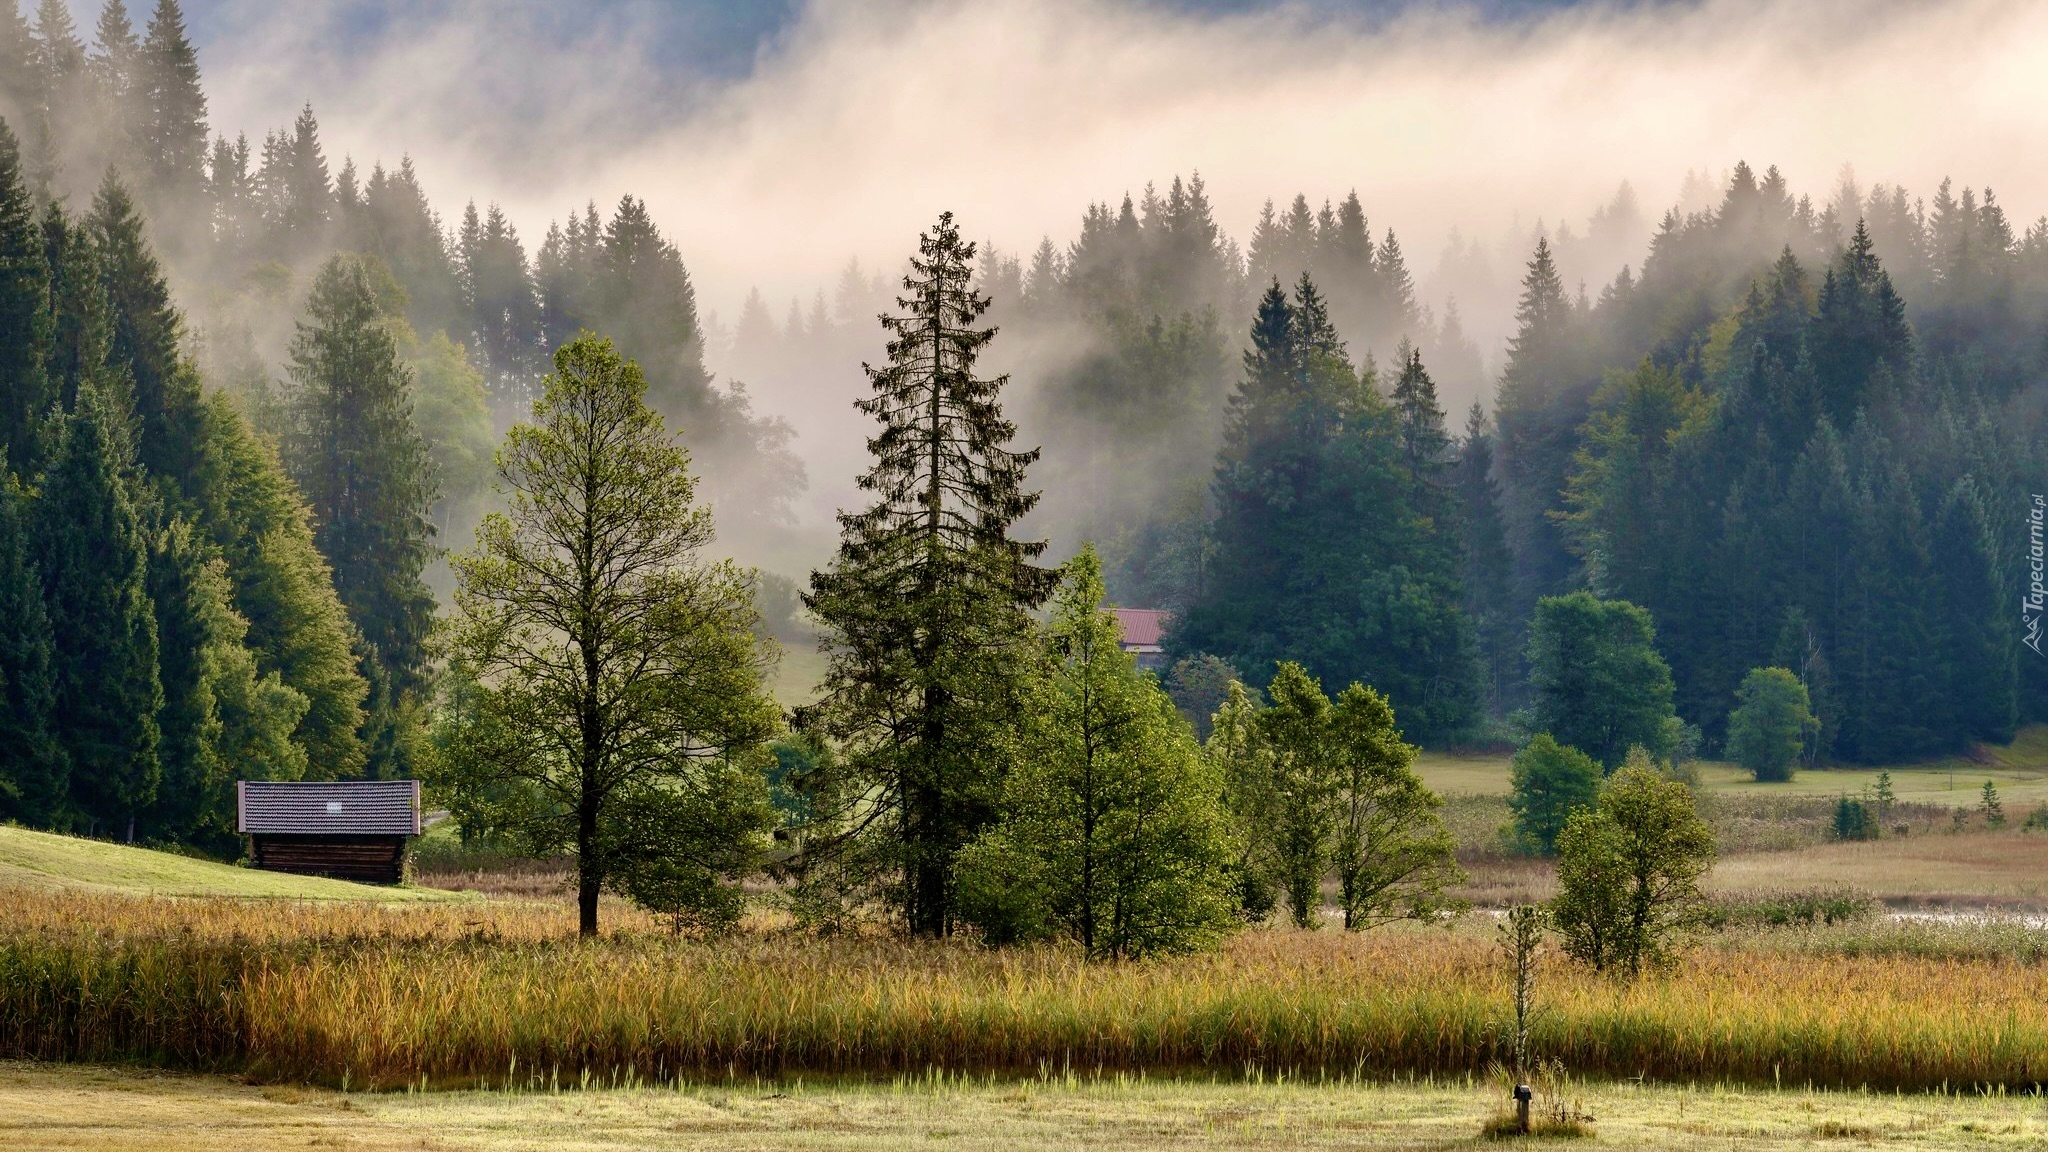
x=1144, y=634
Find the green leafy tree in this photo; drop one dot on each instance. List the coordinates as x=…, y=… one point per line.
x=1628, y=873
x=925, y=605
x=94, y=566
x=355, y=451
x=453, y=415
x=1596, y=681
x=1113, y=821
x=1393, y=855
x=1304, y=784
x=616, y=703
x=1242, y=760
x=1198, y=685
x=1771, y=723
x=1547, y=783
x=34, y=771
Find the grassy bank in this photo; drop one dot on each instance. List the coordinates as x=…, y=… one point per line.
x=41, y=860
x=453, y=995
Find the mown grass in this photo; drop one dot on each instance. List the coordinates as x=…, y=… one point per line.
x=440, y=995
x=46, y=1108
x=45, y=860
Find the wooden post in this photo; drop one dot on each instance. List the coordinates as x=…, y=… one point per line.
x=1522, y=1096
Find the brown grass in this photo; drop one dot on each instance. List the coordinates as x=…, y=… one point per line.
x=500, y=994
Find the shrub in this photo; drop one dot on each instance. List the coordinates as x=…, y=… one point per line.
x=1853, y=820
x=1547, y=783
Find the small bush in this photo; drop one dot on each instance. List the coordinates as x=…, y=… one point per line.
x=1791, y=909
x=1853, y=820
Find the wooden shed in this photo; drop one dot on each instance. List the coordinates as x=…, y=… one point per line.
x=348, y=829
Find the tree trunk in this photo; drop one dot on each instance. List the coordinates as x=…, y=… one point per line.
x=589, y=875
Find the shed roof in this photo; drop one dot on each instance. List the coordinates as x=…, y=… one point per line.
x=329, y=808
x=1143, y=627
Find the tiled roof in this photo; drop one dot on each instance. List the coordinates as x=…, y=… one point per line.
x=333, y=808
x=1144, y=627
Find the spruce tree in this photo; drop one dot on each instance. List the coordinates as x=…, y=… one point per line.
x=1539, y=409
x=353, y=447
x=172, y=136
x=82, y=321
x=25, y=319
x=1486, y=562
x=163, y=386
x=33, y=768
x=926, y=603
x=94, y=566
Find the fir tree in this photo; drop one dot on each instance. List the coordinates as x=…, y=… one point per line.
x=355, y=451
x=34, y=772
x=94, y=566
x=25, y=318
x=163, y=385
x=925, y=604
x=1486, y=562
x=175, y=119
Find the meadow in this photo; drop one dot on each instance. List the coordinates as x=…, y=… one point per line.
x=500, y=994
x=46, y=1108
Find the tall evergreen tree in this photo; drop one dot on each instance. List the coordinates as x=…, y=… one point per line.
x=1541, y=405
x=34, y=771
x=172, y=136
x=94, y=566
x=164, y=388
x=1486, y=563
x=925, y=604
x=356, y=453
x=25, y=318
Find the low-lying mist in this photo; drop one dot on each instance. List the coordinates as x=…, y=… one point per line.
x=1470, y=134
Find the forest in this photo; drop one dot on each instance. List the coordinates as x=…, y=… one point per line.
x=251, y=398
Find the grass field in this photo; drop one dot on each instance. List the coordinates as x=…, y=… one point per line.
x=42, y=860
x=45, y=1108
x=2020, y=770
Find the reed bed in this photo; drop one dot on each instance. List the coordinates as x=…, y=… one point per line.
x=504, y=995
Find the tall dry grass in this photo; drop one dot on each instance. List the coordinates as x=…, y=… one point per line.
x=504, y=994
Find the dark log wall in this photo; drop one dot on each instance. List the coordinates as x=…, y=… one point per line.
x=370, y=859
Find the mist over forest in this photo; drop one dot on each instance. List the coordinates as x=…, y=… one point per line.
x=1349, y=335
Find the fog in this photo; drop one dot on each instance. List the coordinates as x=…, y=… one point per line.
x=857, y=122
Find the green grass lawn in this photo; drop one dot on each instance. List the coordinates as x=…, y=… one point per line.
x=2019, y=769
x=42, y=859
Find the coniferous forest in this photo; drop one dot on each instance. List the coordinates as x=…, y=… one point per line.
x=250, y=396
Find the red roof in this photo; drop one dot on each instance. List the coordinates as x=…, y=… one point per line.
x=1142, y=626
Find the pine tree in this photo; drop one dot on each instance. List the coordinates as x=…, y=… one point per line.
x=1540, y=407
x=175, y=117
x=18, y=70
x=94, y=566
x=1982, y=657
x=298, y=630
x=221, y=721
x=82, y=321
x=1860, y=343
x=164, y=387
x=25, y=318
x=1113, y=831
x=34, y=772
x=113, y=68
x=925, y=604
x=1486, y=562
x=355, y=451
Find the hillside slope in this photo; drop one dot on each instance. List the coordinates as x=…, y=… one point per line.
x=45, y=860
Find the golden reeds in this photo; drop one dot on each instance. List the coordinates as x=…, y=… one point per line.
x=504, y=994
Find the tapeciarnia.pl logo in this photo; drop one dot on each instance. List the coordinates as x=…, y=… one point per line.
x=2036, y=599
